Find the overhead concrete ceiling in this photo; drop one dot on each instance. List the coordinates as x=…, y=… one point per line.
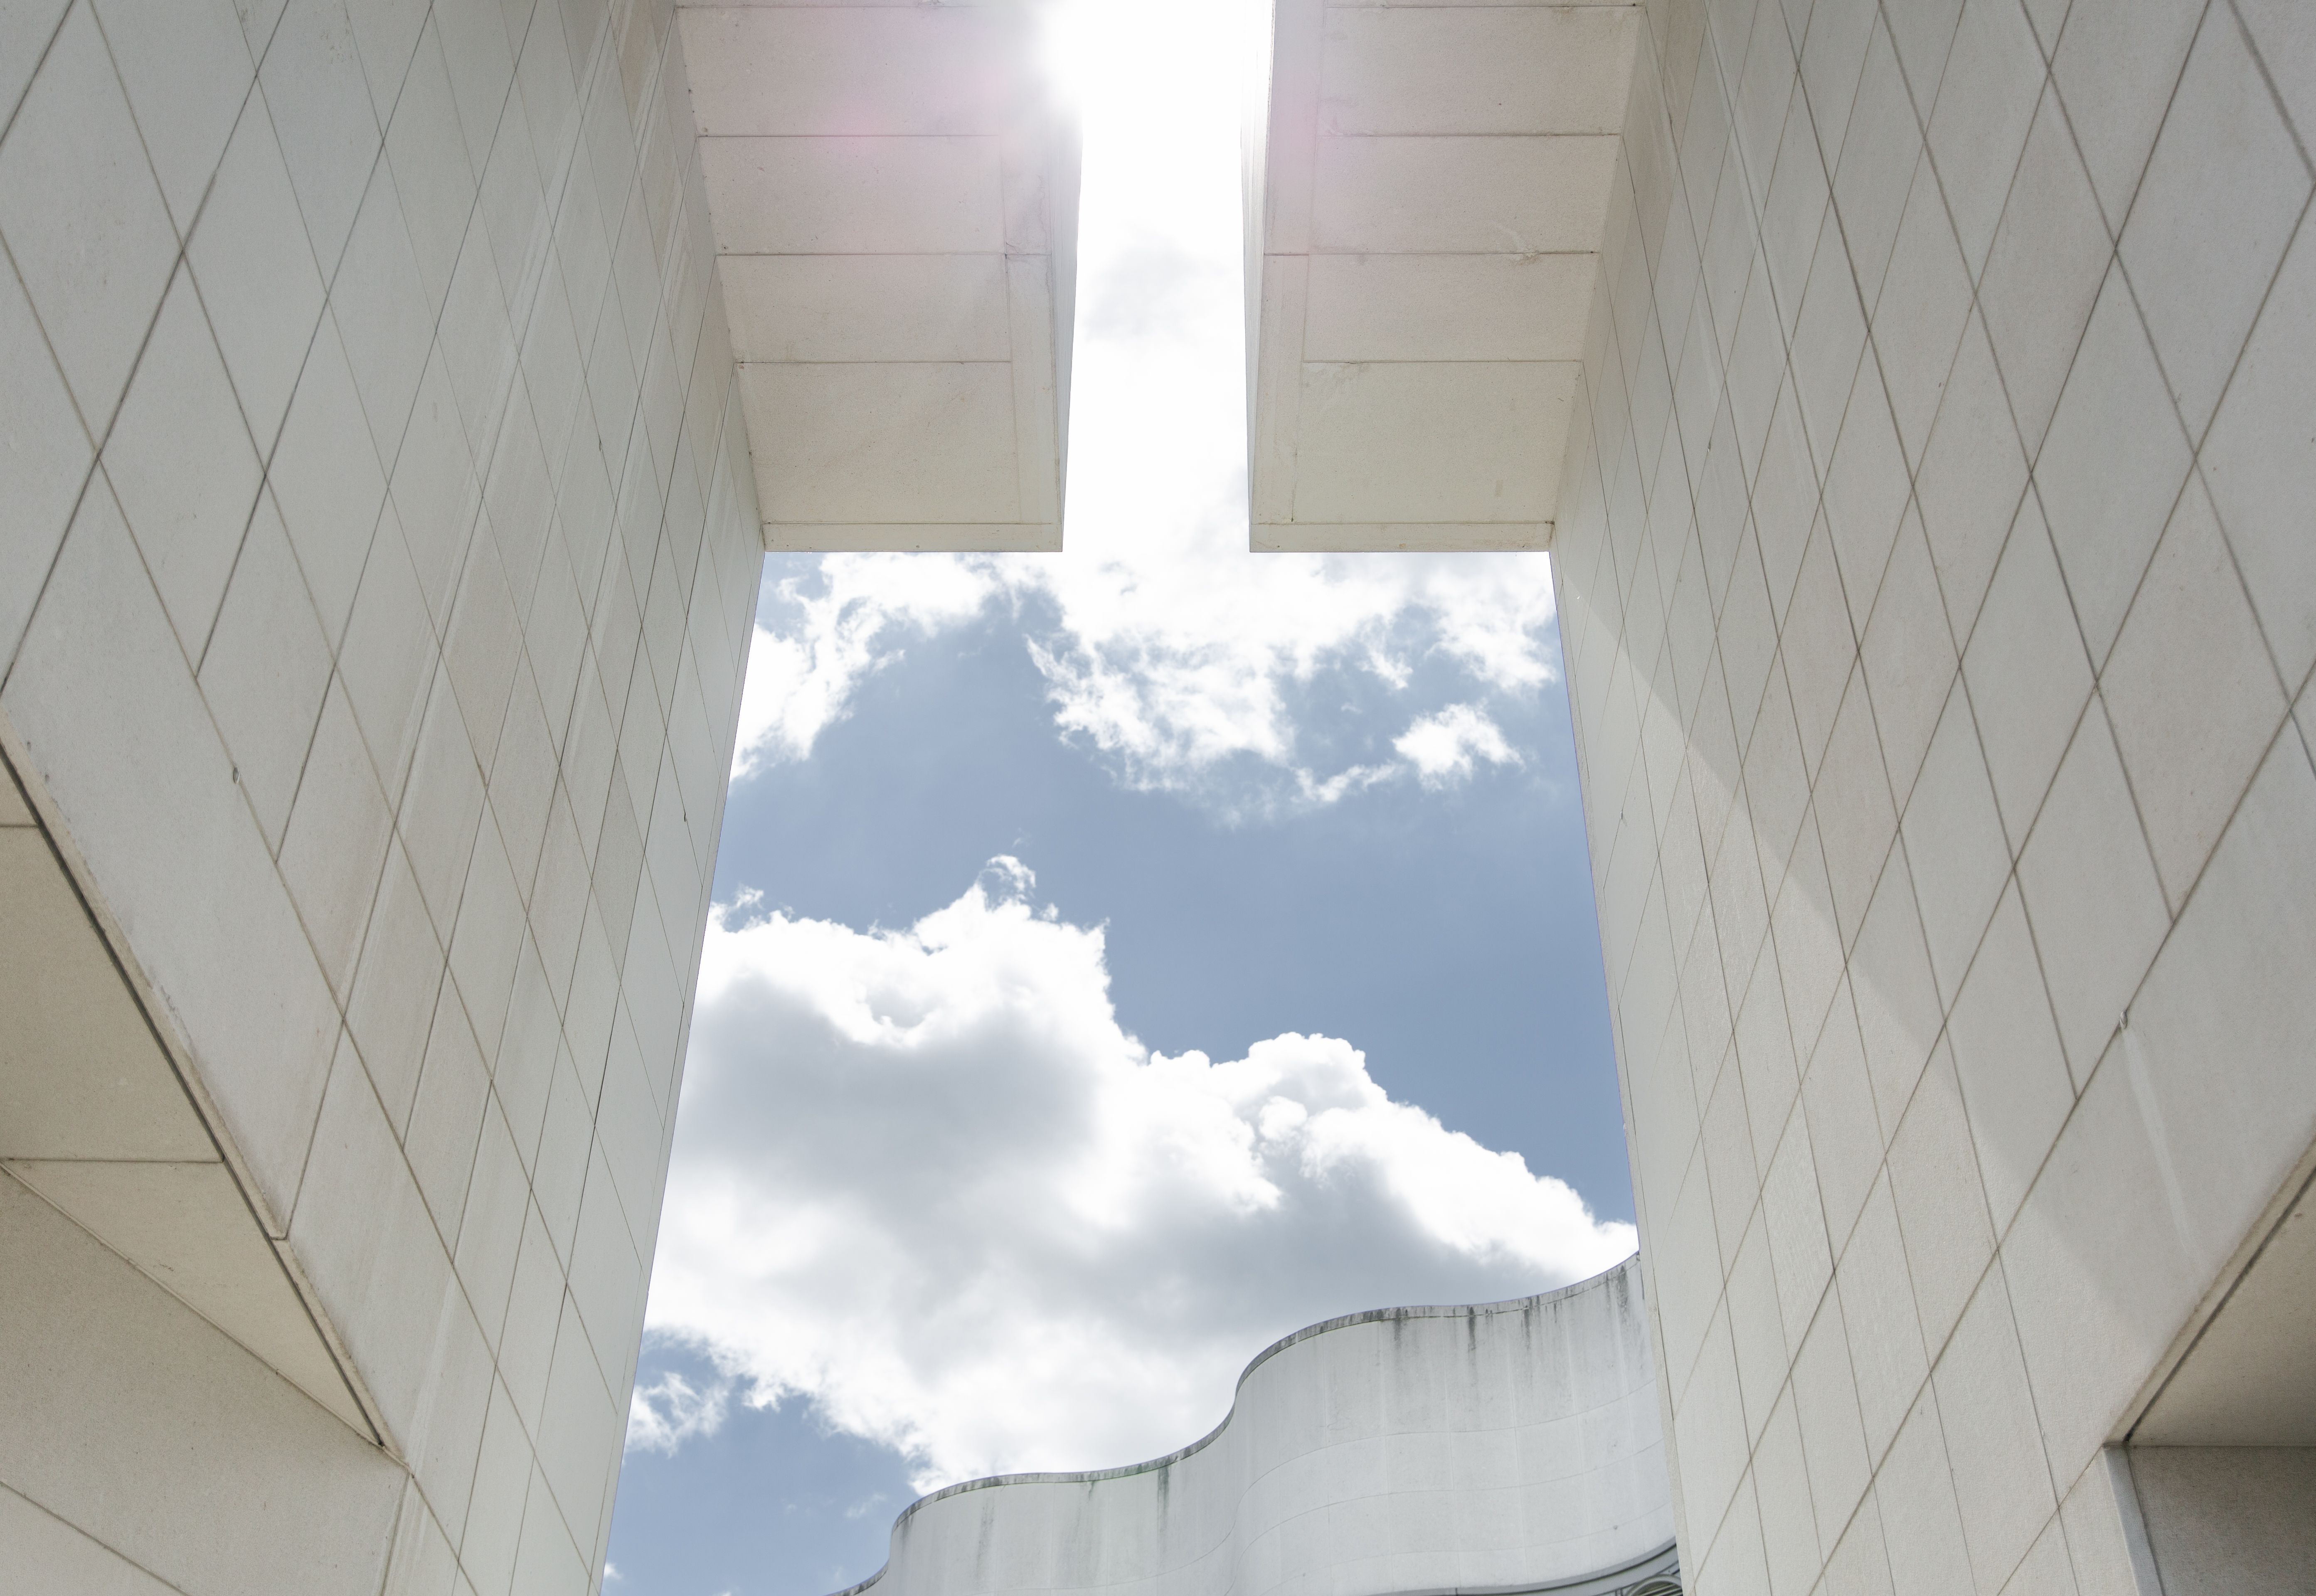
x=2250, y=1378
x=1426, y=198
x=894, y=195
x=94, y=1117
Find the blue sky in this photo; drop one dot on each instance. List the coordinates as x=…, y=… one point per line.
x=1449, y=934
x=1125, y=957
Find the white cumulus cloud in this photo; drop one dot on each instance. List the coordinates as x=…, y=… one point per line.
x=924, y=1180
x=1179, y=656
x=1445, y=748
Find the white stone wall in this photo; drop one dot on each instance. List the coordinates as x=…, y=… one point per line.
x=376, y=569
x=1939, y=604
x=1514, y=1445
x=146, y=1453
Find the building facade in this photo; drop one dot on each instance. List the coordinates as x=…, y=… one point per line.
x=380, y=538
x=380, y=550
x=1938, y=609
x=396, y=399
x=1511, y=1446
x=1936, y=592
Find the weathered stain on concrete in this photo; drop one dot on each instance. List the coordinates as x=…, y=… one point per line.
x=1512, y=1446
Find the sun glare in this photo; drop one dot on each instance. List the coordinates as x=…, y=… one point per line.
x=1195, y=58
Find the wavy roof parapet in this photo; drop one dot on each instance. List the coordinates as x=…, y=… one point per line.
x=1520, y=1453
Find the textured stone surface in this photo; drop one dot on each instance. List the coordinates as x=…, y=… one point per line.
x=2015, y=773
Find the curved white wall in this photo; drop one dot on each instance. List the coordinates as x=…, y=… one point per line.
x=1511, y=1446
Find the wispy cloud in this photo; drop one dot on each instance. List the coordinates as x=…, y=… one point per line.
x=1445, y=748
x=1177, y=668
x=830, y=633
x=924, y=1179
x=665, y=1414
x=1184, y=667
